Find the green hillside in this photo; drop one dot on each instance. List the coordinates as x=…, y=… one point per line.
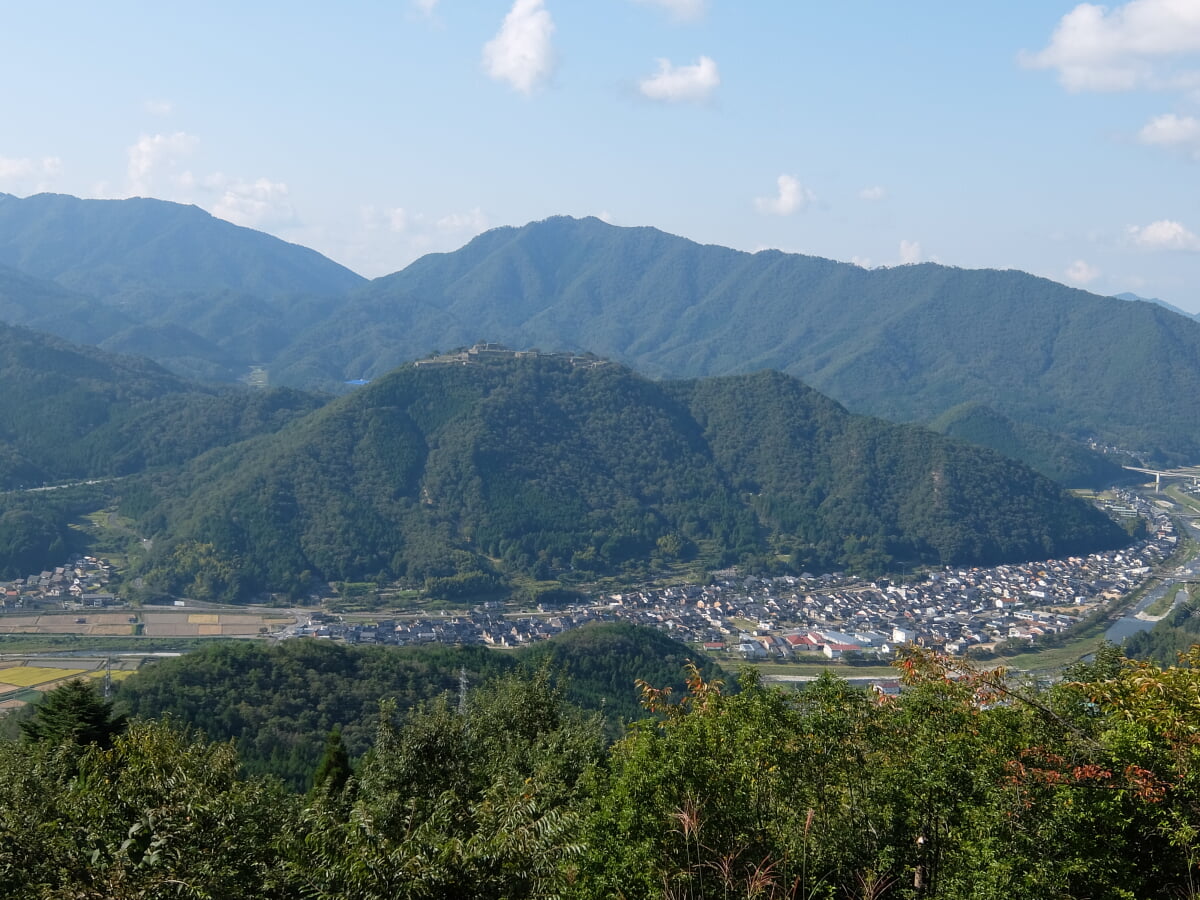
x=456, y=476
x=906, y=343
x=1067, y=462
x=203, y=296
x=280, y=700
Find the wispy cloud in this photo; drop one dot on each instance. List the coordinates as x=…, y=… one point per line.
x=678, y=84
x=1142, y=44
x=1164, y=234
x=426, y=6
x=910, y=252
x=1173, y=132
x=255, y=204
x=683, y=10
x=791, y=197
x=1081, y=272
x=521, y=53
x=13, y=169
x=872, y=194
x=153, y=153
x=158, y=107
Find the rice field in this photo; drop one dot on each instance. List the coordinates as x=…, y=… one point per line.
x=30, y=676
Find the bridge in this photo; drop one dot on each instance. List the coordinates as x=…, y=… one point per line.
x=1192, y=472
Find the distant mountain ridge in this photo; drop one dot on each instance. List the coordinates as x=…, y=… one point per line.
x=147, y=269
x=906, y=343
x=1163, y=303
x=209, y=299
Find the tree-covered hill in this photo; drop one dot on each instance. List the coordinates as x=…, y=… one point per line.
x=72, y=413
x=906, y=343
x=455, y=476
x=165, y=280
x=279, y=701
x=208, y=299
x=1065, y=461
x=69, y=411
x=139, y=249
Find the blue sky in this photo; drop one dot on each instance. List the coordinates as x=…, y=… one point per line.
x=1058, y=138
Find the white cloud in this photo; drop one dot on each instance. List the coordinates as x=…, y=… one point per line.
x=676, y=84
x=158, y=107
x=473, y=221
x=1080, y=272
x=255, y=204
x=15, y=168
x=1134, y=45
x=521, y=52
x=426, y=6
x=1173, y=132
x=792, y=197
x=872, y=193
x=683, y=10
x=1164, y=235
x=152, y=152
x=910, y=252
x=30, y=174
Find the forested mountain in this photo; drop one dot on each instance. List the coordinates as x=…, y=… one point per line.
x=906, y=343
x=69, y=411
x=164, y=280
x=279, y=701
x=454, y=475
x=1068, y=462
x=1163, y=303
x=208, y=299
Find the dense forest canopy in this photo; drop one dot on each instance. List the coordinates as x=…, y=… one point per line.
x=964, y=785
x=280, y=701
x=453, y=476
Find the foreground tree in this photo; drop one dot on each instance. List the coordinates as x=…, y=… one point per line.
x=158, y=814
x=74, y=712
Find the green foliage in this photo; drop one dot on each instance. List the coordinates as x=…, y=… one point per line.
x=1057, y=457
x=1175, y=633
x=73, y=712
x=968, y=785
x=481, y=801
x=159, y=814
x=333, y=771
x=450, y=476
x=162, y=280
x=281, y=701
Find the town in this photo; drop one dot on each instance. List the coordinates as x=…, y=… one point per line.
x=805, y=616
x=792, y=617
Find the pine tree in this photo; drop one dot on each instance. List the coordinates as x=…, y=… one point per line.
x=74, y=712
x=333, y=771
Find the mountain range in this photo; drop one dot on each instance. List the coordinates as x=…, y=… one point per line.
x=459, y=476
x=913, y=343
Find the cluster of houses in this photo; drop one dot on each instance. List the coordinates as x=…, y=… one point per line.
x=80, y=584
x=796, y=617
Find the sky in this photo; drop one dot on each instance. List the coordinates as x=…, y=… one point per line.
x=1058, y=138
